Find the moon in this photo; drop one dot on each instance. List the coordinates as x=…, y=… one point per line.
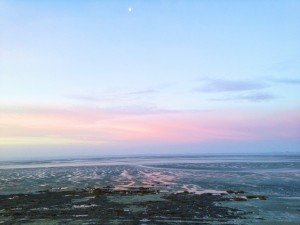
x=129, y=9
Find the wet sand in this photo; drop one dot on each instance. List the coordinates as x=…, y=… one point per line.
x=213, y=190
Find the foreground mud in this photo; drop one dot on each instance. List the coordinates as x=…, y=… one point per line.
x=137, y=205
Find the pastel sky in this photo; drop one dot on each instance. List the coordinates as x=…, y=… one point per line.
x=92, y=78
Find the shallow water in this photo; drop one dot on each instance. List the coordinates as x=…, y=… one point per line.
x=276, y=177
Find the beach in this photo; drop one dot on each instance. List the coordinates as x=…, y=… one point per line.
x=152, y=190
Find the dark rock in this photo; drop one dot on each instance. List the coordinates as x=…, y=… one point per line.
x=62, y=205
x=98, y=192
x=260, y=197
x=235, y=192
x=238, y=199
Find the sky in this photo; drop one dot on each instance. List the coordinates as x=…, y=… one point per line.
x=92, y=78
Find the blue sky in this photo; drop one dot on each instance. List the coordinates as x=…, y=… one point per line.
x=225, y=58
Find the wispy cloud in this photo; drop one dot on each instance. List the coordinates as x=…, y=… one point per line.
x=287, y=81
x=36, y=109
x=142, y=92
x=90, y=98
x=218, y=85
x=256, y=97
x=119, y=96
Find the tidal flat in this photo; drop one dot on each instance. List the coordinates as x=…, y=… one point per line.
x=150, y=190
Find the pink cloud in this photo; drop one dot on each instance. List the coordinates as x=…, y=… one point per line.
x=92, y=125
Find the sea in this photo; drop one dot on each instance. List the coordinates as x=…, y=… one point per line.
x=276, y=177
